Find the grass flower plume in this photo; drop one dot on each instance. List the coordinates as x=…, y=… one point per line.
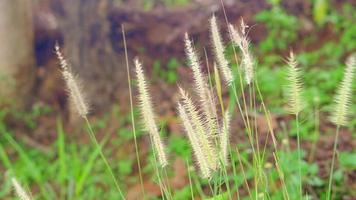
x=241, y=40
x=201, y=87
x=219, y=51
x=294, y=86
x=20, y=192
x=198, y=124
x=224, y=138
x=344, y=94
x=194, y=140
x=74, y=88
x=148, y=115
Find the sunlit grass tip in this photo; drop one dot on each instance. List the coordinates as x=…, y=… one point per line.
x=219, y=51
x=344, y=94
x=73, y=85
x=20, y=191
x=295, y=86
x=240, y=39
x=148, y=115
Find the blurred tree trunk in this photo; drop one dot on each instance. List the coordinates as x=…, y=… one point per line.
x=16, y=53
x=87, y=45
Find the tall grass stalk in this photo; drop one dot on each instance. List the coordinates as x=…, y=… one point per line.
x=299, y=156
x=248, y=68
x=336, y=141
x=132, y=113
x=341, y=110
x=148, y=120
x=294, y=91
x=81, y=106
x=190, y=180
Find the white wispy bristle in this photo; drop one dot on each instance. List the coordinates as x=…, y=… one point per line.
x=219, y=51
x=344, y=94
x=294, y=86
x=198, y=125
x=148, y=115
x=21, y=193
x=73, y=86
x=201, y=86
x=241, y=40
x=194, y=140
x=225, y=138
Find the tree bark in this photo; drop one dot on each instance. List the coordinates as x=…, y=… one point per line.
x=16, y=53
x=88, y=48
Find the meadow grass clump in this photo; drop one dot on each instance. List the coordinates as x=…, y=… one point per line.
x=206, y=122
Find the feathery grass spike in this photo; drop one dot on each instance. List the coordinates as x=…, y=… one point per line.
x=194, y=140
x=224, y=138
x=219, y=51
x=344, y=94
x=21, y=193
x=148, y=115
x=198, y=125
x=74, y=88
x=294, y=86
x=241, y=40
x=202, y=90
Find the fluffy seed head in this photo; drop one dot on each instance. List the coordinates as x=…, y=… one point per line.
x=201, y=134
x=224, y=138
x=241, y=40
x=20, y=192
x=201, y=87
x=73, y=86
x=219, y=51
x=344, y=94
x=148, y=115
x=294, y=86
x=195, y=66
x=194, y=140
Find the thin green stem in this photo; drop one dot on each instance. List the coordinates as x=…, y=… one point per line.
x=94, y=140
x=132, y=114
x=243, y=172
x=190, y=180
x=299, y=156
x=333, y=162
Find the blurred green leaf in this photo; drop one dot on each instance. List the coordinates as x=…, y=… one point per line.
x=348, y=160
